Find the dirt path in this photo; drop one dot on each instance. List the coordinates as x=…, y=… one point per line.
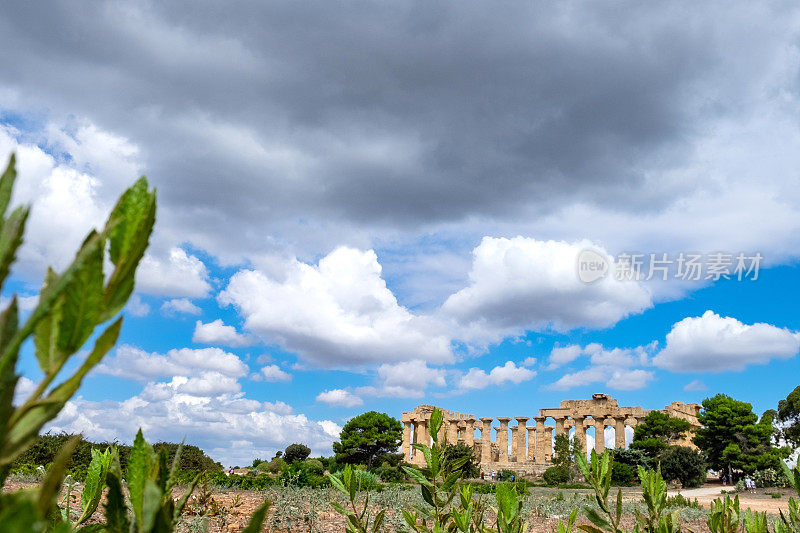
x=761, y=500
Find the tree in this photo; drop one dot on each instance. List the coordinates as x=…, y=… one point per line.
x=789, y=417
x=296, y=452
x=366, y=437
x=657, y=432
x=685, y=464
x=564, y=455
x=732, y=437
x=453, y=452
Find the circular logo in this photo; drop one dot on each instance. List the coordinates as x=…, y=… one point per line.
x=592, y=265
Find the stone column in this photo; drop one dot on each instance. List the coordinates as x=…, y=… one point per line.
x=486, y=441
x=502, y=438
x=548, y=443
x=513, y=430
x=424, y=435
x=452, y=431
x=520, y=453
x=599, y=435
x=469, y=432
x=406, y=440
x=560, y=425
x=619, y=433
x=539, y=439
x=532, y=443
x=580, y=433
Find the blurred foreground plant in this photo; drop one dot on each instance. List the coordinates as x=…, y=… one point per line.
x=70, y=307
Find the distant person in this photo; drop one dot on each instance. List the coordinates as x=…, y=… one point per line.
x=482, y=478
x=513, y=477
x=493, y=474
x=724, y=480
x=230, y=471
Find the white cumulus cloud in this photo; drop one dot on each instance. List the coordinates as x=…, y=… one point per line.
x=523, y=283
x=178, y=274
x=339, y=398
x=476, y=378
x=217, y=332
x=713, y=343
x=273, y=373
x=180, y=305
x=134, y=363
x=336, y=312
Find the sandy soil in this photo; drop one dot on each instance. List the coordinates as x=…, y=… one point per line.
x=231, y=510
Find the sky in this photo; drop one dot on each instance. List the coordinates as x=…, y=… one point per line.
x=371, y=206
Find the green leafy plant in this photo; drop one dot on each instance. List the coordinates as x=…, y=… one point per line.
x=597, y=472
x=358, y=520
x=654, y=494
x=70, y=307
x=438, y=481
x=789, y=522
x=724, y=516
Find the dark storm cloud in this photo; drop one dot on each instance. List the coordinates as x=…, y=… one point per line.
x=390, y=114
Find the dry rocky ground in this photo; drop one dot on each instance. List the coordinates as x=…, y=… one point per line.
x=227, y=510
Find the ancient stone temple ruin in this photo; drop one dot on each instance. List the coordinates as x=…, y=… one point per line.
x=528, y=449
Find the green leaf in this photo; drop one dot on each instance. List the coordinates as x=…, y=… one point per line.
x=257, y=519
x=29, y=418
x=417, y=476
x=140, y=465
x=94, y=484
x=181, y=504
x=596, y=519
x=8, y=377
x=151, y=505
x=51, y=485
x=337, y=484
x=129, y=227
x=83, y=300
x=47, y=330
x=506, y=500
x=10, y=239
x=7, y=184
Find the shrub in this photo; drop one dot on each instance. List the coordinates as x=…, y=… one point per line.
x=681, y=501
x=296, y=452
x=769, y=477
x=454, y=452
x=683, y=464
x=315, y=466
x=556, y=475
x=389, y=474
x=276, y=466
x=622, y=474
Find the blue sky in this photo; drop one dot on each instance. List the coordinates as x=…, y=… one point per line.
x=377, y=209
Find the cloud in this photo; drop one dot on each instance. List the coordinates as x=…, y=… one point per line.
x=615, y=367
x=273, y=373
x=179, y=274
x=695, y=385
x=476, y=378
x=529, y=361
x=562, y=355
x=333, y=313
x=712, y=343
x=522, y=283
x=134, y=363
x=339, y=398
x=180, y=305
x=137, y=307
x=408, y=379
x=217, y=332
x=201, y=412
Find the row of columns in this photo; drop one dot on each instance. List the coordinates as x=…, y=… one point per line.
x=528, y=443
